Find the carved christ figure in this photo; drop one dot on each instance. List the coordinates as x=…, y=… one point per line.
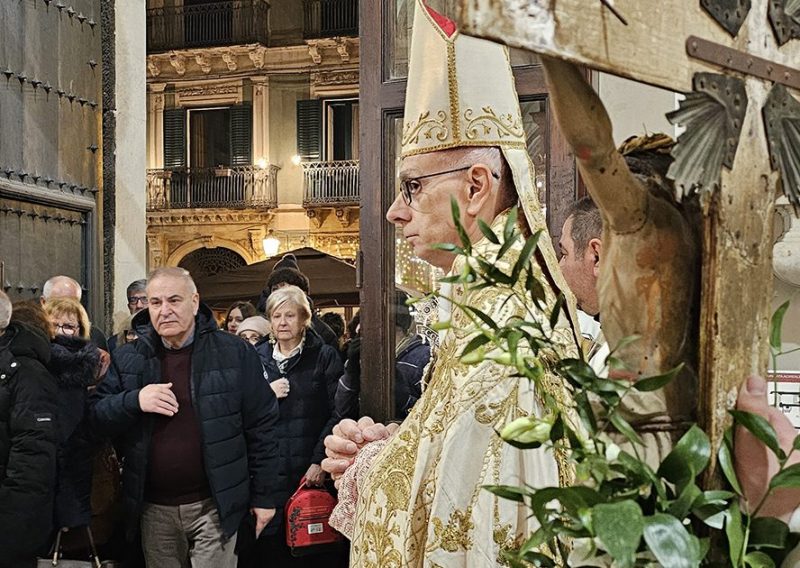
x=649, y=269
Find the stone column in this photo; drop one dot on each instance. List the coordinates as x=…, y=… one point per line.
x=130, y=160
x=260, y=120
x=155, y=126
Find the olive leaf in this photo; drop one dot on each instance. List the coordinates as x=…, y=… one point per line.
x=488, y=232
x=776, y=325
x=725, y=460
x=787, y=477
x=761, y=429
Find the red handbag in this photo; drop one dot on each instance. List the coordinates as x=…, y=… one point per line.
x=307, y=513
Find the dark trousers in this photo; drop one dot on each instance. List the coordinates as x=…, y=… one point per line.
x=271, y=551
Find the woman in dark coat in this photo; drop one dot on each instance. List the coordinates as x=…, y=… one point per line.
x=77, y=365
x=303, y=371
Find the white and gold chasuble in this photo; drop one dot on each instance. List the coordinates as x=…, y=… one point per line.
x=422, y=502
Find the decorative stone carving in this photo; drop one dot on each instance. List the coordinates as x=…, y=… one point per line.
x=313, y=51
x=208, y=90
x=342, y=48
x=257, y=55
x=325, y=78
x=345, y=216
x=343, y=245
x=153, y=68
x=230, y=60
x=178, y=62
x=156, y=251
x=318, y=216
x=325, y=53
x=158, y=102
x=200, y=216
x=203, y=62
x=256, y=236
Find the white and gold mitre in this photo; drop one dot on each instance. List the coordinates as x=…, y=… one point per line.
x=460, y=90
x=461, y=93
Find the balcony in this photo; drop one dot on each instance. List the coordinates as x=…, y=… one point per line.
x=330, y=18
x=207, y=25
x=330, y=183
x=236, y=187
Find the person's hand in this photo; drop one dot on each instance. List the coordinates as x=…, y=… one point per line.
x=158, y=399
x=315, y=477
x=756, y=464
x=263, y=517
x=348, y=437
x=105, y=363
x=281, y=387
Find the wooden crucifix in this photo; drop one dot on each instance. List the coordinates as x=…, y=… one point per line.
x=738, y=61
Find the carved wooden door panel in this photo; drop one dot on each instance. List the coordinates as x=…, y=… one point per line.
x=50, y=145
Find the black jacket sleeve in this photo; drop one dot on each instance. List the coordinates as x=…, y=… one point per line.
x=259, y=417
x=114, y=409
x=331, y=366
x=348, y=390
x=26, y=492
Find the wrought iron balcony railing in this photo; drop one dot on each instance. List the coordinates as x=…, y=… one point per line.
x=207, y=25
x=235, y=187
x=330, y=18
x=330, y=183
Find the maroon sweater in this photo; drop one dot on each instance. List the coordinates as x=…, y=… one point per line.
x=176, y=474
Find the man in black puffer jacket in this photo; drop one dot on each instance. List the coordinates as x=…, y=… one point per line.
x=194, y=418
x=28, y=441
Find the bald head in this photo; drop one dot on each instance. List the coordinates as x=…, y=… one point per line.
x=61, y=287
x=5, y=311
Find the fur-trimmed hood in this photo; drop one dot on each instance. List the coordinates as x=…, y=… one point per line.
x=74, y=362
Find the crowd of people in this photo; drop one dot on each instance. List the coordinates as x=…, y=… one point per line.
x=178, y=440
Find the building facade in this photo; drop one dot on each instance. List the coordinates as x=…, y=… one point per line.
x=252, y=130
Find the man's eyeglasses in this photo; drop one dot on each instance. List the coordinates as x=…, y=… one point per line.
x=67, y=328
x=410, y=187
x=136, y=300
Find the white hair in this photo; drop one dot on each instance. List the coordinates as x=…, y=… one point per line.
x=290, y=295
x=59, y=282
x=173, y=272
x=5, y=311
x=488, y=155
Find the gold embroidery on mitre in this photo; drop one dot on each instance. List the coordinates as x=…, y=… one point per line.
x=428, y=126
x=506, y=125
x=452, y=86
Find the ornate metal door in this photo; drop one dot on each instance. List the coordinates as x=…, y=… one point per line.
x=50, y=145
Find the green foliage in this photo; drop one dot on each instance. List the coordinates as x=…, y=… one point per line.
x=619, y=508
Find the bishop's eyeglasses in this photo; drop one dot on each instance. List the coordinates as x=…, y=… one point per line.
x=410, y=187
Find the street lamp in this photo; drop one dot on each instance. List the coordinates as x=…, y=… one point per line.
x=271, y=244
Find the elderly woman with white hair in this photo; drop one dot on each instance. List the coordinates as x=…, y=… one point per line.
x=303, y=371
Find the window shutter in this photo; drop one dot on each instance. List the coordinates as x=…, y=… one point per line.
x=241, y=135
x=309, y=129
x=174, y=138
